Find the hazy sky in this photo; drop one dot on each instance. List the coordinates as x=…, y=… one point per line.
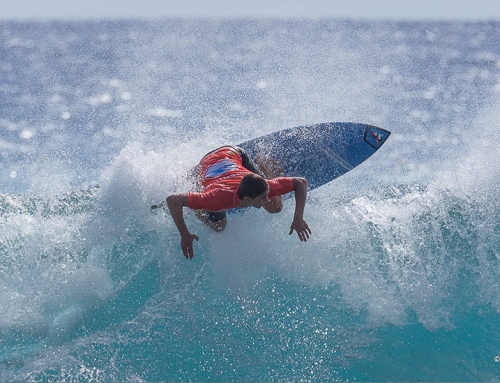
x=364, y=9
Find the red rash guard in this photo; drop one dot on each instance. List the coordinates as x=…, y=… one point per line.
x=220, y=175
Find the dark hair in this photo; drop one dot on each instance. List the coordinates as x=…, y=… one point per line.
x=252, y=185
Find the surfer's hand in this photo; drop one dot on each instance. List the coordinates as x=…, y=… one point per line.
x=300, y=226
x=187, y=245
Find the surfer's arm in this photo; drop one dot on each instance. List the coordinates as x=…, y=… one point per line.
x=298, y=223
x=176, y=203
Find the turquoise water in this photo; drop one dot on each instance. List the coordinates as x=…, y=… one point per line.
x=99, y=120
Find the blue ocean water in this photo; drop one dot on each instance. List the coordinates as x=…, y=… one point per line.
x=400, y=279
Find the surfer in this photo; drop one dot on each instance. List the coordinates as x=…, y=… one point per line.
x=227, y=178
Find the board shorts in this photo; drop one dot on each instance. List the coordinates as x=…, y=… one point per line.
x=216, y=216
x=247, y=163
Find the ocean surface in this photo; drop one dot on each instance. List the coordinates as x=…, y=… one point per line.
x=400, y=280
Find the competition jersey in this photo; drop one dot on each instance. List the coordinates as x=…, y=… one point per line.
x=220, y=174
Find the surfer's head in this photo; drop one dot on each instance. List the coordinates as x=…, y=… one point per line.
x=253, y=190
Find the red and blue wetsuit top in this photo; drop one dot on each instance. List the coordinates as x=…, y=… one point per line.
x=220, y=174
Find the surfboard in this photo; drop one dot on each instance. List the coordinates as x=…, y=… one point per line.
x=321, y=152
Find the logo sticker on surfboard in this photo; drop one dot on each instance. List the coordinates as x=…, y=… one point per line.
x=375, y=136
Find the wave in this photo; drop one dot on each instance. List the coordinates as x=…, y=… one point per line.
x=81, y=267
x=74, y=263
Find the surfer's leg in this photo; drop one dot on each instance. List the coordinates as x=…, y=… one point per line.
x=215, y=220
x=271, y=167
x=248, y=163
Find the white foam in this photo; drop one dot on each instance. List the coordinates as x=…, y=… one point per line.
x=48, y=268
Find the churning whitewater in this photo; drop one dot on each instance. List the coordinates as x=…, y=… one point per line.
x=99, y=120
